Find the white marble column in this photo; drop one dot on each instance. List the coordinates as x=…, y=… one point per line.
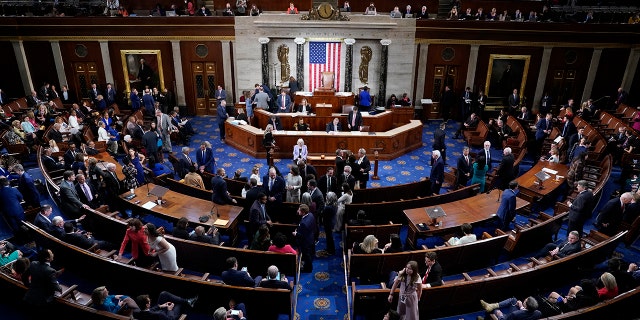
x=629, y=72
x=591, y=76
x=177, y=69
x=106, y=61
x=422, y=64
x=23, y=66
x=226, y=56
x=57, y=59
x=542, y=77
x=472, y=66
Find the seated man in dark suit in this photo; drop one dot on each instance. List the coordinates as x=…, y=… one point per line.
x=568, y=247
x=241, y=278
x=82, y=239
x=169, y=307
x=361, y=219
x=471, y=123
x=212, y=236
x=334, y=126
x=274, y=279
x=50, y=162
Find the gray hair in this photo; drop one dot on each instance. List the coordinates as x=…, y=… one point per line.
x=507, y=150
x=272, y=272
x=220, y=314
x=436, y=153
x=56, y=220
x=185, y=149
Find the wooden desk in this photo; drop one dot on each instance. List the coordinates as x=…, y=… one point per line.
x=176, y=205
x=378, y=122
x=335, y=99
x=529, y=183
x=394, y=143
x=103, y=157
x=479, y=208
x=321, y=163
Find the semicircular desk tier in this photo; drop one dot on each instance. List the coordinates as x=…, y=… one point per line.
x=390, y=144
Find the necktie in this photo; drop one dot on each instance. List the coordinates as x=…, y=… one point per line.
x=328, y=183
x=426, y=275
x=466, y=159
x=270, y=184
x=264, y=216
x=203, y=156
x=353, y=120
x=283, y=105
x=487, y=155
x=86, y=192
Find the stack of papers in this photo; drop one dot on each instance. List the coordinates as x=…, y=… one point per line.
x=550, y=171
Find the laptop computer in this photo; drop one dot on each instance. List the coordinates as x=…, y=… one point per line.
x=435, y=212
x=410, y=15
x=171, y=14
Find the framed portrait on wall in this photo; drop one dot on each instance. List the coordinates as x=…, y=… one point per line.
x=505, y=73
x=141, y=69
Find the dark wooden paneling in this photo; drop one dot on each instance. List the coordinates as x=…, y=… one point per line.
x=557, y=85
x=534, y=64
x=634, y=100
x=434, y=58
x=165, y=52
x=41, y=64
x=188, y=52
x=613, y=63
x=10, y=81
x=68, y=50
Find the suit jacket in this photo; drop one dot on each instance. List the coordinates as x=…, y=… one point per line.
x=94, y=94
x=504, y=132
x=365, y=164
x=150, y=142
x=323, y=181
x=149, y=104
x=27, y=188
x=611, y=213
x=581, y=207
x=340, y=163
x=568, y=129
x=437, y=171
x=255, y=215
x=507, y=210
x=165, y=124
x=541, y=126
x=277, y=125
x=463, y=168
x=51, y=164
x=43, y=286
x=94, y=203
x=567, y=248
x=304, y=109
x=136, y=103
x=137, y=133
x=10, y=199
x=274, y=284
x=69, y=157
x=277, y=190
x=331, y=127
x=208, y=161
x=234, y=277
x=55, y=135
x=358, y=121
x=110, y=96
x=438, y=140
x=505, y=170
x=32, y=101
x=43, y=223
x=184, y=162
x=435, y=275
x=112, y=184
x=305, y=232
x=79, y=240
x=69, y=201
x=350, y=180
x=318, y=198
x=283, y=106
x=514, y=101
x=220, y=194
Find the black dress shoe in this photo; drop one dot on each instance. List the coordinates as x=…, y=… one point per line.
x=192, y=301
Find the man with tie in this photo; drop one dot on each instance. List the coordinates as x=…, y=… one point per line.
x=437, y=172
x=334, y=126
x=514, y=101
x=94, y=92
x=610, y=216
x=348, y=178
x=112, y=185
x=258, y=215
x=580, y=209
x=50, y=163
x=487, y=154
x=69, y=201
x=86, y=193
x=463, y=169
x=221, y=94
x=66, y=96
x=433, y=275
x=465, y=103
x=205, y=159
x=364, y=166
x=328, y=182
x=283, y=102
x=621, y=97
x=110, y=95
x=354, y=122
x=304, y=235
x=219, y=187
x=569, y=246
x=184, y=162
x=70, y=155
x=543, y=129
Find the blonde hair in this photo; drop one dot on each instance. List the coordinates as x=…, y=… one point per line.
x=369, y=243
x=608, y=280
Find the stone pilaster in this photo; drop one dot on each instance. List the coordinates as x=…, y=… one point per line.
x=348, y=76
x=382, y=88
x=300, y=62
x=265, y=59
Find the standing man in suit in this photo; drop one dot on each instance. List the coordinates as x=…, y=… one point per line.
x=340, y=163
x=261, y=98
x=70, y=155
x=486, y=149
x=334, y=126
x=568, y=129
x=65, y=95
x=112, y=185
x=205, y=159
x=258, y=215
x=283, y=102
x=481, y=101
x=136, y=102
x=354, y=122
x=94, y=92
x=150, y=140
x=304, y=235
x=219, y=187
x=274, y=187
x=27, y=187
x=543, y=129
x=610, y=216
x=222, y=116
x=110, y=95
x=437, y=172
x=545, y=103
x=438, y=142
x=328, y=182
x=364, y=167
x=184, y=163
x=514, y=101
x=11, y=198
x=44, y=281
x=148, y=102
x=221, y=94
x=463, y=172
x=447, y=102
x=86, y=192
x=580, y=209
x=507, y=210
x=43, y=93
x=505, y=169
x=163, y=123
x=622, y=97
x=348, y=178
x=465, y=103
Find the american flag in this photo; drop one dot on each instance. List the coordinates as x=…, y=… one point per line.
x=324, y=56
